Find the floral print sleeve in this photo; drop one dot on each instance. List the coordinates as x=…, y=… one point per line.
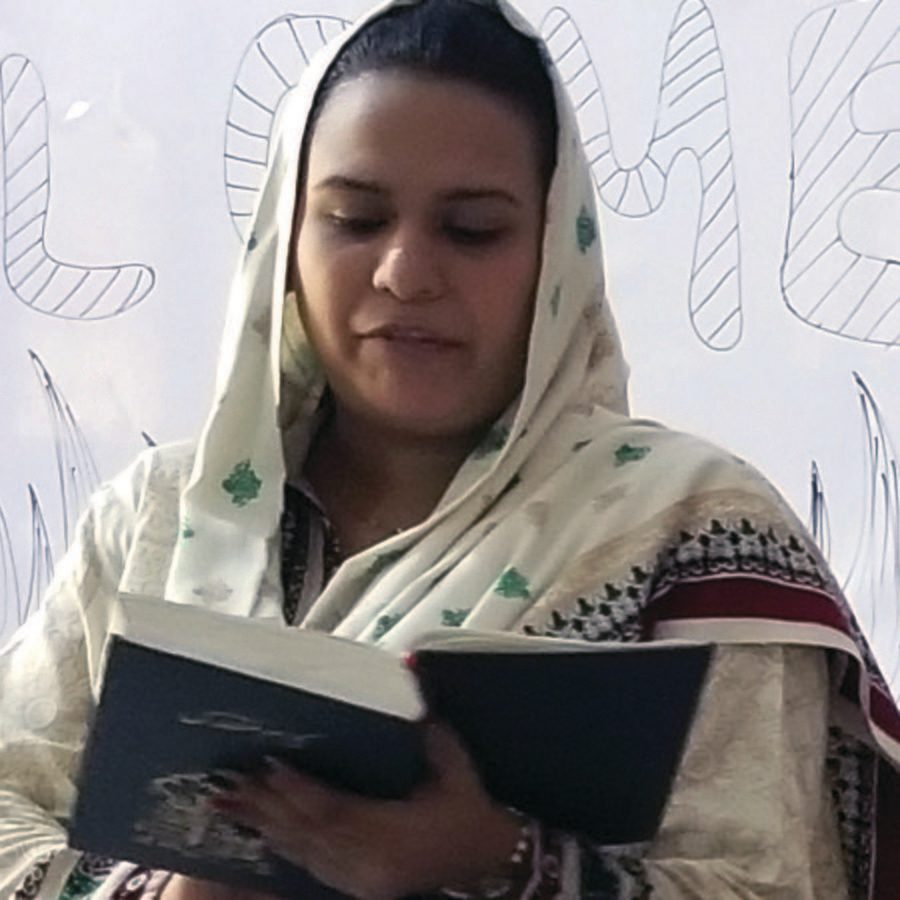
x=94, y=876
x=45, y=682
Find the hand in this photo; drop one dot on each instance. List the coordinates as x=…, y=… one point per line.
x=449, y=831
x=183, y=888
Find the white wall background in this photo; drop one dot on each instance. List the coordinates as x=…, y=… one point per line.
x=745, y=307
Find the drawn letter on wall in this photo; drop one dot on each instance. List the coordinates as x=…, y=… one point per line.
x=841, y=272
x=35, y=276
x=691, y=118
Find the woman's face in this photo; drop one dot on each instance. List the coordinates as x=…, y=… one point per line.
x=418, y=250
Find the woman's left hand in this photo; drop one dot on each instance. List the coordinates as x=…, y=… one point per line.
x=448, y=832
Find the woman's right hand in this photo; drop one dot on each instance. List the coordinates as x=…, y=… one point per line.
x=183, y=888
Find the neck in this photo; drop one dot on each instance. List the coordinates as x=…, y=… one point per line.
x=373, y=481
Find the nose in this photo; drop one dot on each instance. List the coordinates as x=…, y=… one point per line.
x=408, y=271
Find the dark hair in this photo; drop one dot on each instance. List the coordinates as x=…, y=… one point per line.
x=461, y=39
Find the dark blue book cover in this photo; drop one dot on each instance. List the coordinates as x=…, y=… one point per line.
x=587, y=742
x=165, y=725
x=585, y=737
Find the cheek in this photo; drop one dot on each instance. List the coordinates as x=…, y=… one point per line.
x=506, y=306
x=330, y=283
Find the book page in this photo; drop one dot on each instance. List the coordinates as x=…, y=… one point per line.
x=331, y=666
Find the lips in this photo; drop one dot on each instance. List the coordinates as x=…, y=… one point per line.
x=414, y=335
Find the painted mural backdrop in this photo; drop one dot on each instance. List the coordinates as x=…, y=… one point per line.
x=747, y=159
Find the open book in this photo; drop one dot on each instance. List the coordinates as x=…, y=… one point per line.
x=584, y=736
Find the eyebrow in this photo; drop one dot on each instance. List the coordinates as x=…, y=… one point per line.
x=347, y=183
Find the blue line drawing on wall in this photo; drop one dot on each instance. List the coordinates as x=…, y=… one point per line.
x=872, y=580
x=76, y=471
x=874, y=573
x=14, y=599
x=269, y=68
x=10, y=591
x=36, y=277
x=840, y=274
x=41, y=571
x=77, y=478
x=692, y=119
x=819, y=519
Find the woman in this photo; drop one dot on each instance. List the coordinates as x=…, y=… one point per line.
x=430, y=428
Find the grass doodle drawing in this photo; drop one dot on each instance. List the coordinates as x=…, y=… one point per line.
x=77, y=478
x=18, y=600
x=872, y=580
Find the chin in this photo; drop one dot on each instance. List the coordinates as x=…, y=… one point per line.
x=426, y=421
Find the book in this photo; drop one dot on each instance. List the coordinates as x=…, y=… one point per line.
x=584, y=736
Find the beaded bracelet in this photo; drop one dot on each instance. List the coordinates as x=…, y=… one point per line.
x=157, y=884
x=495, y=886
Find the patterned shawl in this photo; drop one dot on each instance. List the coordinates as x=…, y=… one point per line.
x=570, y=518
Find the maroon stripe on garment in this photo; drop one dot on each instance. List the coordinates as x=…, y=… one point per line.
x=743, y=597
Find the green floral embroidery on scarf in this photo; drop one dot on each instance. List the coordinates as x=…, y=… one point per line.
x=555, y=300
x=453, y=618
x=513, y=584
x=580, y=445
x=80, y=885
x=242, y=484
x=383, y=561
x=252, y=242
x=385, y=624
x=628, y=454
x=494, y=441
x=586, y=229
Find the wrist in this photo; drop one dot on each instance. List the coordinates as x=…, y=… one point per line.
x=508, y=847
x=504, y=842
x=175, y=887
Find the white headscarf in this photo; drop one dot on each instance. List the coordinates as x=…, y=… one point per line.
x=269, y=380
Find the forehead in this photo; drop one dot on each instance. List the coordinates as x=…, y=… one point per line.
x=411, y=131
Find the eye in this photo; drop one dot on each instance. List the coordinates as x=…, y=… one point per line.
x=356, y=226
x=473, y=237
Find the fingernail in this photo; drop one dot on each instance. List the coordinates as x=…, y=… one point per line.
x=274, y=764
x=223, y=780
